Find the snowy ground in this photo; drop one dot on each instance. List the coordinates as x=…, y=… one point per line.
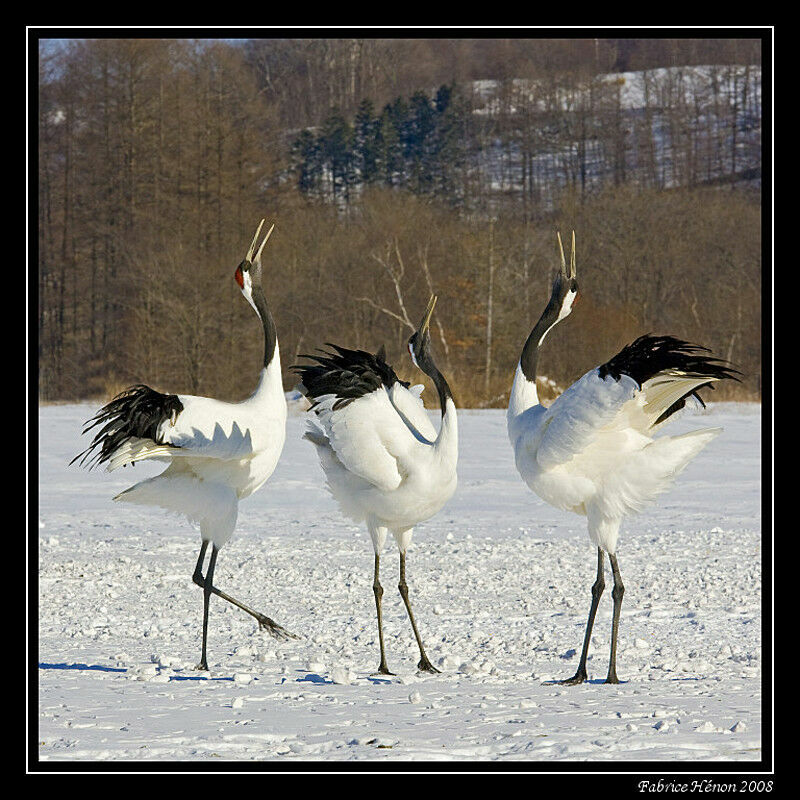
x=500, y=583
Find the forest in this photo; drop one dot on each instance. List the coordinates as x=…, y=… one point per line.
x=392, y=168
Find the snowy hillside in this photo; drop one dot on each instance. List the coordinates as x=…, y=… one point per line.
x=500, y=584
x=674, y=126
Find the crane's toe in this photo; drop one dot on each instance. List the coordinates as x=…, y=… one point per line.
x=426, y=666
x=273, y=629
x=578, y=677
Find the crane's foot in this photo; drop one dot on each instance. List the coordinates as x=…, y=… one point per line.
x=426, y=666
x=202, y=666
x=612, y=678
x=578, y=677
x=273, y=629
x=383, y=669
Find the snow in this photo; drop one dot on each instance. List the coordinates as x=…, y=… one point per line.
x=500, y=585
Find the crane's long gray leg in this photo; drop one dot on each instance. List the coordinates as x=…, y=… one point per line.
x=207, y=585
x=597, y=591
x=617, y=592
x=264, y=622
x=383, y=669
x=197, y=576
x=424, y=664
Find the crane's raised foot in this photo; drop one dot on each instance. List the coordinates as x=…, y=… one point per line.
x=426, y=666
x=273, y=629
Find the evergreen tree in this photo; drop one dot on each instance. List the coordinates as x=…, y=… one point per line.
x=307, y=163
x=449, y=146
x=366, y=145
x=390, y=143
x=337, y=155
x=418, y=140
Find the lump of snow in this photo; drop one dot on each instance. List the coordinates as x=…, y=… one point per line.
x=707, y=727
x=415, y=697
x=448, y=663
x=342, y=675
x=144, y=672
x=739, y=727
x=243, y=677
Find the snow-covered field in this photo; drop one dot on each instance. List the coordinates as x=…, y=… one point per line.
x=500, y=584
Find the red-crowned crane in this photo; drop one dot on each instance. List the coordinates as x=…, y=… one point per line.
x=218, y=452
x=383, y=460
x=592, y=451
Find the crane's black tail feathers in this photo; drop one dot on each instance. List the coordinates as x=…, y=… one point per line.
x=650, y=355
x=136, y=412
x=346, y=374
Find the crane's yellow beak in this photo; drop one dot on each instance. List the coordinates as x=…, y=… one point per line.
x=252, y=255
x=426, y=319
x=571, y=272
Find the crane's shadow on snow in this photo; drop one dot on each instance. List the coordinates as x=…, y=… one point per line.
x=312, y=677
x=100, y=668
x=590, y=681
x=82, y=667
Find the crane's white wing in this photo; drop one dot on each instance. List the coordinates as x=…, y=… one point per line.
x=408, y=402
x=598, y=419
x=580, y=414
x=369, y=437
x=211, y=429
x=205, y=428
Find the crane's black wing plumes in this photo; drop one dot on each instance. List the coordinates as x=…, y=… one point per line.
x=346, y=374
x=136, y=412
x=649, y=356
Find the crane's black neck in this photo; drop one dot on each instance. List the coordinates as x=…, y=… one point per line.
x=530, y=352
x=426, y=364
x=270, y=332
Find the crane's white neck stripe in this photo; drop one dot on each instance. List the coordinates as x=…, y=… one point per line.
x=564, y=311
x=247, y=289
x=413, y=357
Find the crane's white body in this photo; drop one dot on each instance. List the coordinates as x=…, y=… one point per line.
x=219, y=453
x=591, y=451
x=383, y=460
